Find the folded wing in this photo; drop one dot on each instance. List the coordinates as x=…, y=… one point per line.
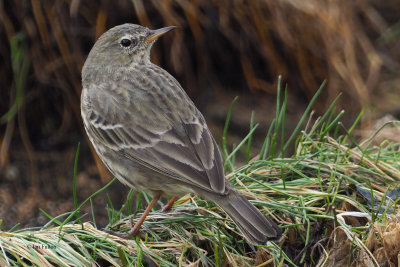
x=156, y=128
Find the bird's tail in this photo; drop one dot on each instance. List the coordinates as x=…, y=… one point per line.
x=255, y=226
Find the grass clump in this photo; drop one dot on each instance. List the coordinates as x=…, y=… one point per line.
x=335, y=198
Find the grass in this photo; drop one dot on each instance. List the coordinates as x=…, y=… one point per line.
x=328, y=191
x=20, y=65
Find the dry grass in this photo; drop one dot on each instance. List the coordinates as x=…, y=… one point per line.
x=236, y=45
x=228, y=42
x=335, y=199
x=314, y=196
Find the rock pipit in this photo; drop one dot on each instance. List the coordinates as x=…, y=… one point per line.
x=149, y=133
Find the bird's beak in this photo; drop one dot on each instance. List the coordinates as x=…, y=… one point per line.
x=154, y=34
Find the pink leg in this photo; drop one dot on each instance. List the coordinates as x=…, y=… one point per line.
x=169, y=204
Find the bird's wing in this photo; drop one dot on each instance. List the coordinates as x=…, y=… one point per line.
x=158, y=127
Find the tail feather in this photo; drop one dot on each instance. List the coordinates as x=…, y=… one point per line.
x=255, y=226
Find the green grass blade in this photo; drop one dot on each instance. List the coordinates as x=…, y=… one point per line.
x=225, y=133
x=250, y=141
x=304, y=117
x=74, y=190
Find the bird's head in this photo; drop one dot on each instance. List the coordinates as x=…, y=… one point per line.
x=124, y=45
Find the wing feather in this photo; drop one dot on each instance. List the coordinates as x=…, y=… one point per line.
x=160, y=129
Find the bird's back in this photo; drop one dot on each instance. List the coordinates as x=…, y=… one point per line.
x=143, y=113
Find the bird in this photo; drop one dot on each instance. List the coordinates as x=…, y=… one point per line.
x=149, y=133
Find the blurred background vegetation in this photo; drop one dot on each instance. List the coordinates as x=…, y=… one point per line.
x=221, y=49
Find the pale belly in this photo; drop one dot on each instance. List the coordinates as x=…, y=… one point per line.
x=141, y=178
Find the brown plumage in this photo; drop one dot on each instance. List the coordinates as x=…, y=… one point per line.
x=149, y=133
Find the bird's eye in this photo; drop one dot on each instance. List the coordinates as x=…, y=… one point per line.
x=126, y=42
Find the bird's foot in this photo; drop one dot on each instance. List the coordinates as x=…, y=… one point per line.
x=132, y=233
x=128, y=235
x=169, y=205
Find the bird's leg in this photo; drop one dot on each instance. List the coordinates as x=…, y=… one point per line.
x=168, y=206
x=135, y=229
